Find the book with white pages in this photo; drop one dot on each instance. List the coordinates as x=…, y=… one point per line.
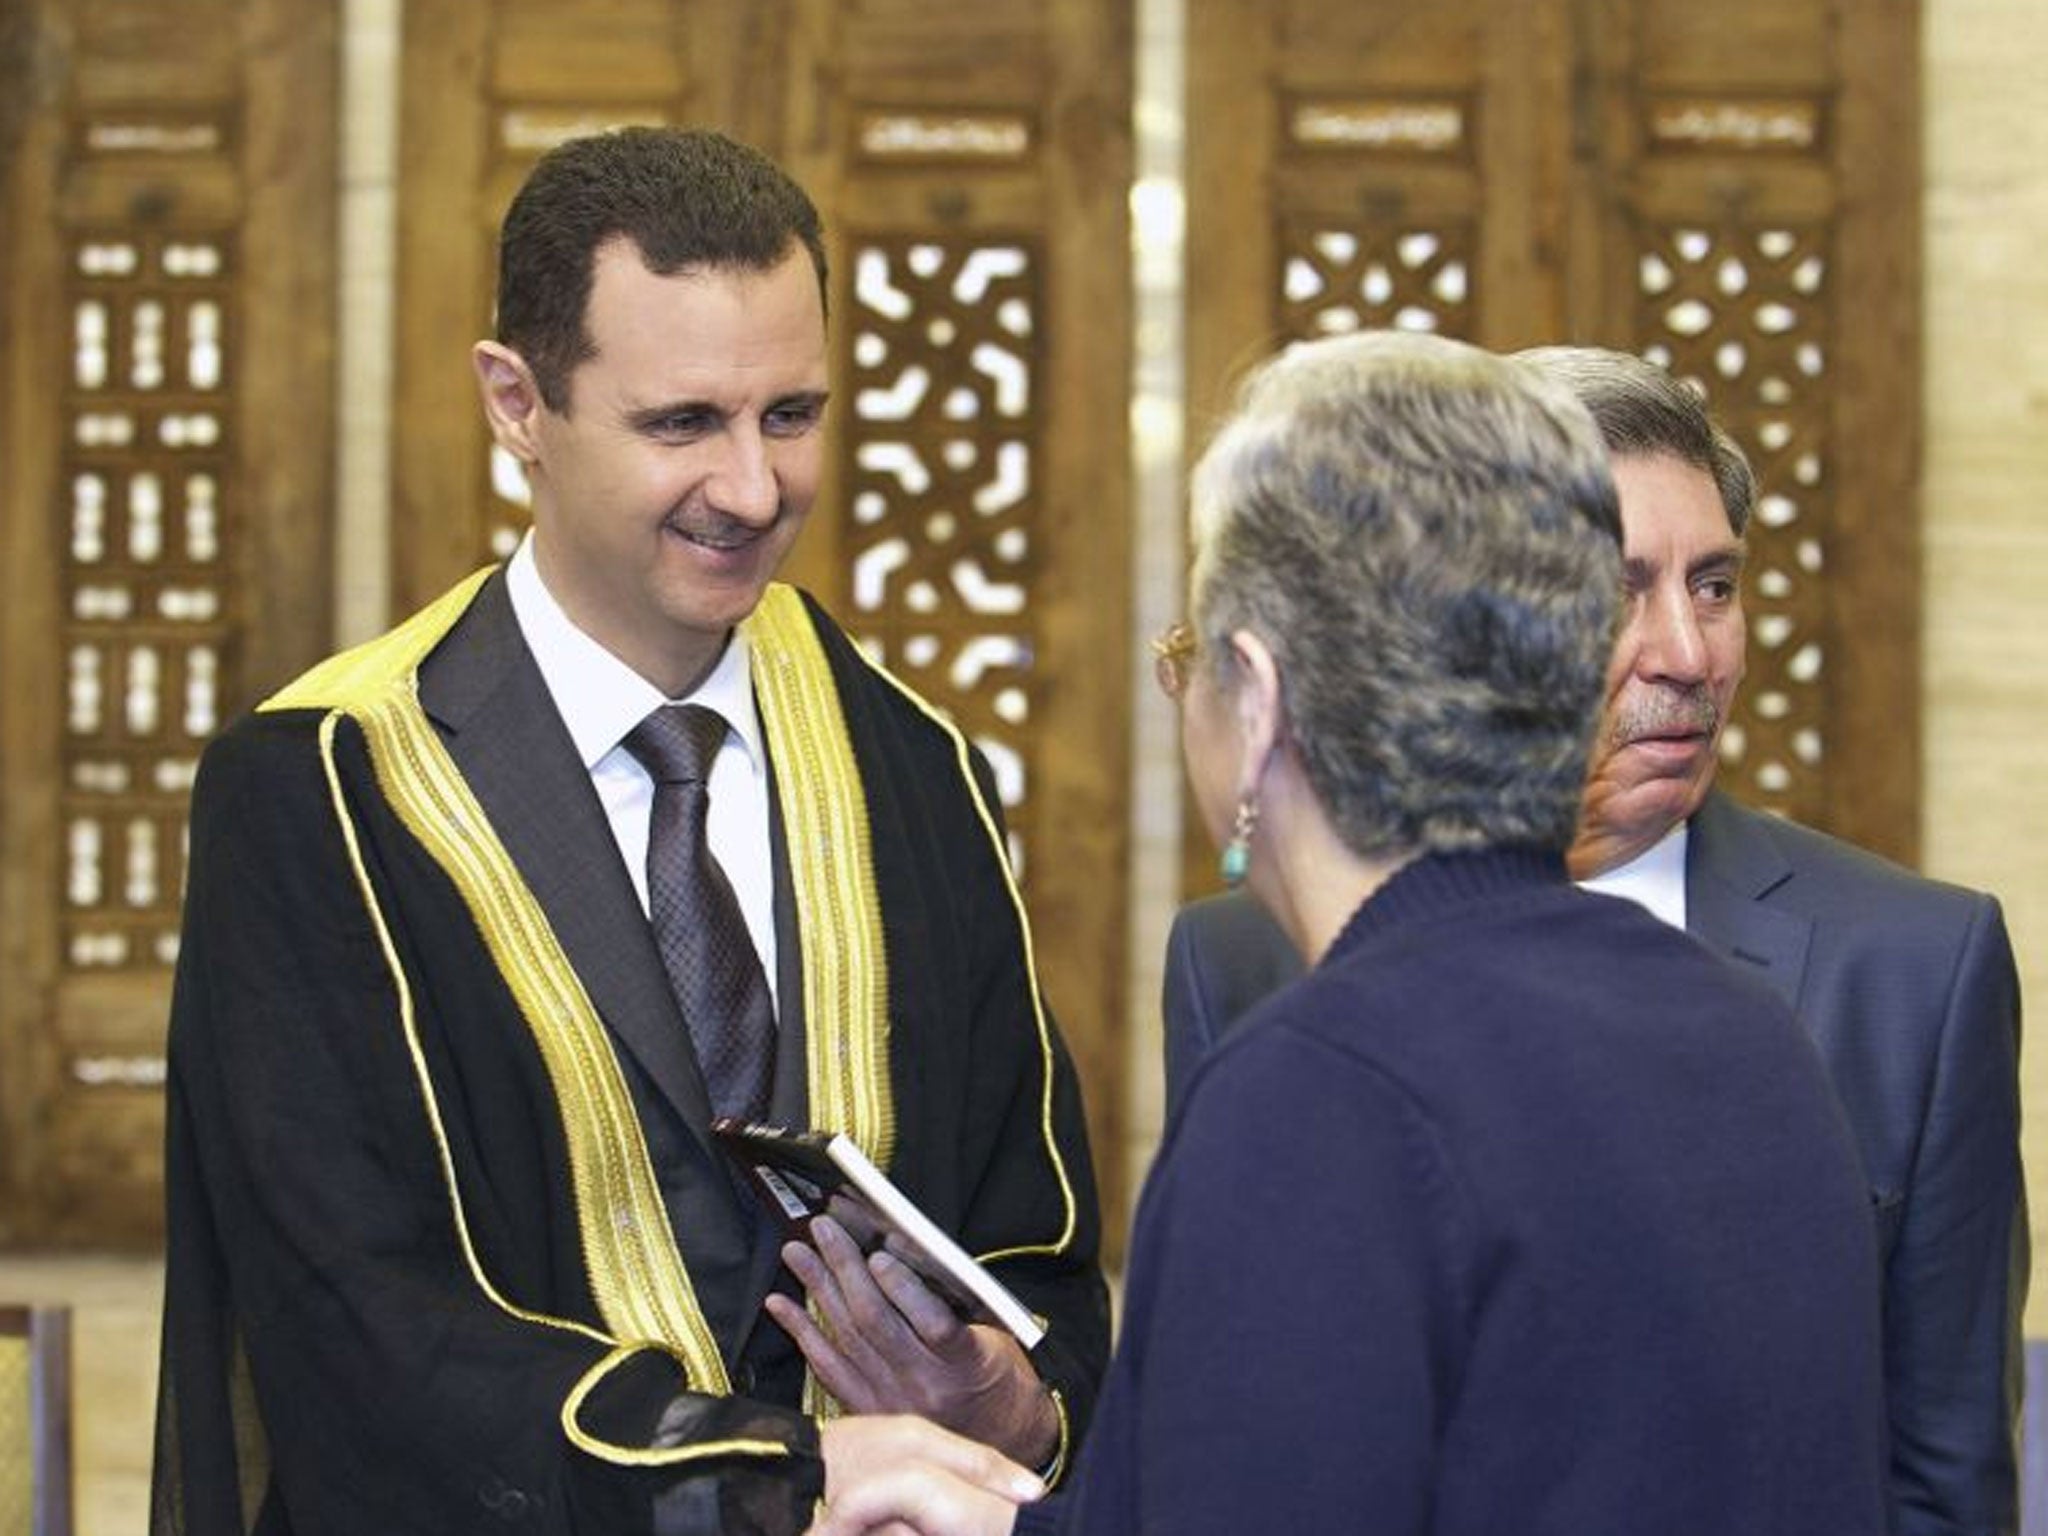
x=806, y=1174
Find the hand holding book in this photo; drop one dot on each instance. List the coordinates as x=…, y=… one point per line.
x=806, y=1174
x=906, y=1320
x=881, y=1341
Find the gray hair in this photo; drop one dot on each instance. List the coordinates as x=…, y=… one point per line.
x=1427, y=538
x=1641, y=409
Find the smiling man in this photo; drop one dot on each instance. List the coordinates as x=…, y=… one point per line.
x=1906, y=986
x=488, y=919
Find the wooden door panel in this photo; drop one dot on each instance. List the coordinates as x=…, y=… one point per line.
x=1758, y=229
x=167, y=336
x=1730, y=189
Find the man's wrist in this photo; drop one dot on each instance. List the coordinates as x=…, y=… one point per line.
x=1049, y=1441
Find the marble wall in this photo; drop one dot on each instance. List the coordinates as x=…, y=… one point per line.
x=1985, y=502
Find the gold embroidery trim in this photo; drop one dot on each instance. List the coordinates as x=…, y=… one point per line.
x=1061, y=1452
x=636, y=1271
x=1045, y=1052
x=641, y=1286
x=637, y=1274
x=646, y=1456
x=368, y=668
x=409, y=1023
x=618, y=1354
x=831, y=856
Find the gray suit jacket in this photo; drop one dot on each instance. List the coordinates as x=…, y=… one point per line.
x=1907, y=987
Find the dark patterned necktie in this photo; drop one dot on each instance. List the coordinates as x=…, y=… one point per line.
x=710, y=958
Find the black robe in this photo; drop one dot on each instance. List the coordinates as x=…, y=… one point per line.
x=439, y=1261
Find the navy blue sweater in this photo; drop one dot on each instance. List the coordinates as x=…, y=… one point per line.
x=1521, y=1213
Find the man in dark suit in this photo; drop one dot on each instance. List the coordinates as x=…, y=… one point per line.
x=450, y=1241
x=1907, y=986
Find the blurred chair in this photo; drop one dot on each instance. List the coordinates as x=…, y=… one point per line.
x=35, y=1421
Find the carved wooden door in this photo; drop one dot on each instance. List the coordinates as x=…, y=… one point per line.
x=972, y=164
x=167, y=169
x=1730, y=189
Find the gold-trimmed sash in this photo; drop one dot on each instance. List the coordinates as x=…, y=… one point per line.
x=637, y=1276
x=831, y=856
x=993, y=831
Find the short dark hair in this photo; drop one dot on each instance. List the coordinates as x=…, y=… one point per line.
x=685, y=198
x=1642, y=409
x=1426, y=536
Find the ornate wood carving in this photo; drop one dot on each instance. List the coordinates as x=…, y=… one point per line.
x=148, y=623
x=170, y=295
x=978, y=165
x=942, y=484
x=1737, y=200
x=1754, y=201
x=1366, y=278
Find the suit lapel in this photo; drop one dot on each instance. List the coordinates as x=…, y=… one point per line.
x=1731, y=867
x=487, y=697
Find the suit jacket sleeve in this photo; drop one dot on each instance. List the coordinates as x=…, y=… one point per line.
x=1224, y=957
x=1230, y=1285
x=1956, y=1283
x=1189, y=1027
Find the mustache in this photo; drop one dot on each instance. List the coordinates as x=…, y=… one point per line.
x=1666, y=712
x=718, y=529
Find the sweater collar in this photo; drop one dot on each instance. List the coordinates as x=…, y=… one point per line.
x=1437, y=884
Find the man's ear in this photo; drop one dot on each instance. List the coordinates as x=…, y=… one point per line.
x=512, y=403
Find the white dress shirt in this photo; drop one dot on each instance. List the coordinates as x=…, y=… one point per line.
x=1654, y=878
x=601, y=699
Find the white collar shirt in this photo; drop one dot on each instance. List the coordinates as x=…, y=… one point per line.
x=601, y=699
x=1654, y=878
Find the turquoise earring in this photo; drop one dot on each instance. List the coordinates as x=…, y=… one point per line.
x=1236, y=860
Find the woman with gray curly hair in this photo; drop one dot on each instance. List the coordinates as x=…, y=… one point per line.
x=1520, y=1211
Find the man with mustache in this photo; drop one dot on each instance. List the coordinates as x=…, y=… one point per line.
x=488, y=918
x=1905, y=985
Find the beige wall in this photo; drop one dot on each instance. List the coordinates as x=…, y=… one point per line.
x=1986, y=498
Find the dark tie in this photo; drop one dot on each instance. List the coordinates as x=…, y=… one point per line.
x=711, y=961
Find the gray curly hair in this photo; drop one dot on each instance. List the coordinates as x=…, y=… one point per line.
x=1427, y=537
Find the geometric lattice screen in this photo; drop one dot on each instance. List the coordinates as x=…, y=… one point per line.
x=941, y=483
x=1731, y=191
x=166, y=487
x=145, y=626
x=1742, y=312
x=1336, y=280
x=975, y=540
